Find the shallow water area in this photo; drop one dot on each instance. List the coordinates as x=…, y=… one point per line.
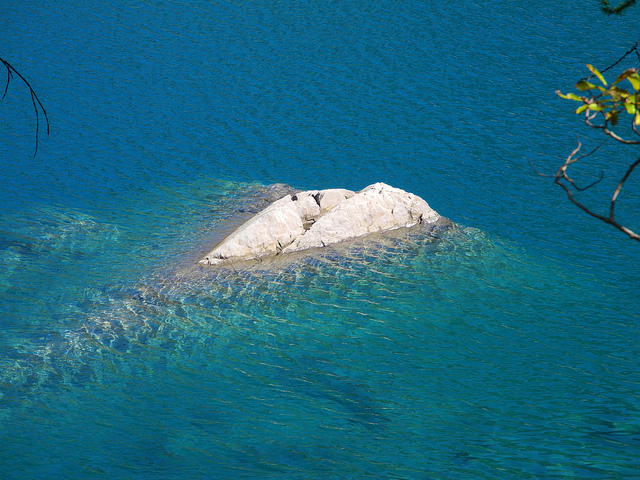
x=322, y=351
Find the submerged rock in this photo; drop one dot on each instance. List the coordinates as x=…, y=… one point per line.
x=317, y=218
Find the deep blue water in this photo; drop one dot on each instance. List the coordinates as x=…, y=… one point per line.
x=506, y=348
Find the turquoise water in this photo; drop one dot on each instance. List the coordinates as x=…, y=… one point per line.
x=504, y=347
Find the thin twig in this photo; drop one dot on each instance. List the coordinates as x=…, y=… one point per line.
x=539, y=173
x=595, y=182
x=34, y=99
x=610, y=133
x=609, y=10
x=562, y=177
x=619, y=187
x=610, y=221
x=634, y=48
x=562, y=174
x=6, y=88
x=562, y=171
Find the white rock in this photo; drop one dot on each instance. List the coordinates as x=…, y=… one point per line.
x=328, y=199
x=318, y=218
x=269, y=231
x=377, y=208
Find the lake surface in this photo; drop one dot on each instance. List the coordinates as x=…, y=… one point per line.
x=505, y=347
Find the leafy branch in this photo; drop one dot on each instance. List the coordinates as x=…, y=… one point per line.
x=609, y=101
x=603, y=106
x=34, y=99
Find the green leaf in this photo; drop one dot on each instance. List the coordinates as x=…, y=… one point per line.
x=597, y=73
x=636, y=120
x=596, y=107
x=618, y=93
x=612, y=116
x=573, y=96
x=625, y=74
x=582, y=108
x=630, y=107
x=628, y=74
x=583, y=85
x=635, y=81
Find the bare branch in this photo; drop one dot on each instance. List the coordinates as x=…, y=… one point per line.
x=572, y=198
x=561, y=175
x=562, y=171
x=34, y=99
x=587, y=154
x=634, y=48
x=619, y=187
x=606, y=130
x=606, y=7
x=540, y=173
x=595, y=182
x=609, y=101
x=609, y=220
x=575, y=150
x=6, y=88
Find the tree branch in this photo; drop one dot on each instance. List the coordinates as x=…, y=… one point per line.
x=561, y=175
x=606, y=130
x=606, y=7
x=610, y=101
x=562, y=171
x=6, y=88
x=34, y=99
x=619, y=187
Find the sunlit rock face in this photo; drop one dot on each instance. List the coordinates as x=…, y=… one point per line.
x=317, y=218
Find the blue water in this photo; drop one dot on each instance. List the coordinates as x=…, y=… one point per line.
x=505, y=348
